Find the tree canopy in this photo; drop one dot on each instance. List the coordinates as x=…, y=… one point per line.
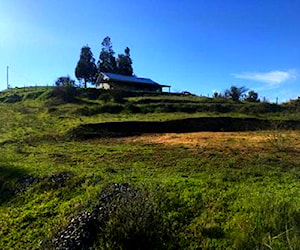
x=65, y=81
x=236, y=93
x=107, y=61
x=86, y=69
x=252, y=96
x=124, y=63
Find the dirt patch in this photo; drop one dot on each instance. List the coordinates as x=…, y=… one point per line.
x=202, y=138
x=234, y=140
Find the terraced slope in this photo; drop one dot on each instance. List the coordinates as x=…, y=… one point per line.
x=206, y=190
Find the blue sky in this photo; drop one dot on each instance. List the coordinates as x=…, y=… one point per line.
x=196, y=45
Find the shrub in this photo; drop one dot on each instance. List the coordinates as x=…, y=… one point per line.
x=111, y=108
x=118, y=96
x=260, y=108
x=135, y=222
x=124, y=218
x=105, y=97
x=131, y=108
x=91, y=93
x=65, y=81
x=12, y=98
x=107, y=108
x=64, y=94
x=9, y=177
x=293, y=105
x=131, y=218
x=279, y=138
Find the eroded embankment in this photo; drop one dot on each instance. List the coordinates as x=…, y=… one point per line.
x=212, y=124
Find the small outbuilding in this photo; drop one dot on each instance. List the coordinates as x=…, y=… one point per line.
x=128, y=83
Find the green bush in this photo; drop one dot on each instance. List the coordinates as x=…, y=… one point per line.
x=260, y=108
x=126, y=217
x=105, y=97
x=63, y=94
x=91, y=93
x=13, y=98
x=293, y=105
x=110, y=108
x=136, y=222
x=9, y=177
x=132, y=109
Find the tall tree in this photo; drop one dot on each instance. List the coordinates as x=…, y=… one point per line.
x=107, y=61
x=252, y=96
x=86, y=69
x=235, y=93
x=124, y=63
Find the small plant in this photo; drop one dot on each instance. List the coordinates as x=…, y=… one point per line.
x=279, y=139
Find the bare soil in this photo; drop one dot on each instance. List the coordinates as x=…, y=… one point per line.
x=233, y=140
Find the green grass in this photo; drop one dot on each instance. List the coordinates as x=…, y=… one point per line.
x=249, y=200
x=213, y=196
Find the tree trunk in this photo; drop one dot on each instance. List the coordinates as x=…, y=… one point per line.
x=85, y=83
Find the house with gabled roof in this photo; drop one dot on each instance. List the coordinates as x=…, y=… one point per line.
x=128, y=83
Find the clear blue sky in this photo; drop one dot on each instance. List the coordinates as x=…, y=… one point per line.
x=195, y=45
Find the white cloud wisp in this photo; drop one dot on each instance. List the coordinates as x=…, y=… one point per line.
x=272, y=78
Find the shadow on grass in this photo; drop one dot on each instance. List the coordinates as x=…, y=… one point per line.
x=9, y=177
x=188, y=125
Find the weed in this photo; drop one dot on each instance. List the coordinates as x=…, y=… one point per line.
x=279, y=138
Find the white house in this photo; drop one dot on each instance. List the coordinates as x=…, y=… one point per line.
x=128, y=83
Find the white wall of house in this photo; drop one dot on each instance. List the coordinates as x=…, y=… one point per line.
x=103, y=86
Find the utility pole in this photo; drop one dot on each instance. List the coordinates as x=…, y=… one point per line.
x=7, y=82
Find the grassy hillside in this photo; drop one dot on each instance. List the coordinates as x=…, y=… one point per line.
x=158, y=191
